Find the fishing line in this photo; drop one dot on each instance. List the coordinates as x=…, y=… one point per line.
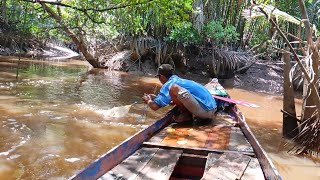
x=144, y=109
x=143, y=112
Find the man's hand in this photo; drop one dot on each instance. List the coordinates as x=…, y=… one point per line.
x=146, y=98
x=153, y=96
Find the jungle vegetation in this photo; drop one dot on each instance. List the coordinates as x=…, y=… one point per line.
x=227, y=34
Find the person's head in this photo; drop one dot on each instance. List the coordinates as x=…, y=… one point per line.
x=165, y=71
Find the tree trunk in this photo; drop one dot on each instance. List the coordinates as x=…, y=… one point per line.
x=289, y=128
x=198, y=17
x=312, y=102
x=229, y=6
x=309, y=137
x=78, y=41
x=306, y=22
x=4, y=11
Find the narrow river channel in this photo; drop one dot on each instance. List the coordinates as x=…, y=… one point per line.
x=56, y=118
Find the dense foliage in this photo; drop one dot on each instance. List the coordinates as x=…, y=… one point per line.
x=215, y=31
x=163, y=19
x=172, y=20
x=185, y=34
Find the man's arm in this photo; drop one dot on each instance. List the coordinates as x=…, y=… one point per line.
x=147, y=99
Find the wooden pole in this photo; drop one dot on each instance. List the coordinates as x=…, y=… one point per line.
x=290, y=125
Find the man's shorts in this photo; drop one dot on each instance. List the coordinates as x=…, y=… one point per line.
x=193, y=106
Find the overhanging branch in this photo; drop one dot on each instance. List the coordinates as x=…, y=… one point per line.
x=88, y=9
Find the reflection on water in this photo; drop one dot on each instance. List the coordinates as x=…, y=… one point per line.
x=57, y=118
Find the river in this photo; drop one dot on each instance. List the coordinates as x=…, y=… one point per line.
x=56, y=118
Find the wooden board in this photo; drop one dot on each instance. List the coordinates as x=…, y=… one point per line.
x=196, y=137
x=253, y=171
x=187, y=136
x=218, y=138
x=269, y=170
x=228, y=166
x=159, y=136
x=177, y=136
x=131, y=167
x=215, y=137
x=211, y=159
x=238, y=141
x=161, y=165
x=193, y=150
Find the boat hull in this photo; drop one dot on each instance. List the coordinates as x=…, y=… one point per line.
x=224, y=148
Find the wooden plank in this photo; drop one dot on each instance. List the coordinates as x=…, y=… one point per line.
x=228, y=166
x=159, y=136
x=193, y=150
x=211, y=159
x=187, y=135
x=120, y=152
x=253, y=171
x=177, y=136
x=196, y=137
x=238, y=141
x=218, y=138
x=161, y=165
x=131, y=167
x=268, y=168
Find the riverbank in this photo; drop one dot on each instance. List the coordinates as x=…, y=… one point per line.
x=51, y=52
x=262, y=76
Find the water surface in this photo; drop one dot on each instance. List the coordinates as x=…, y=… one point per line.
x=56, y=118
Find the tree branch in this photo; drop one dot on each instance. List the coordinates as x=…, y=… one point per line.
x=306, y=22
x=87, y=9
x=303, y=69
x=92, y=19
x=293, y=36
x=77, y=40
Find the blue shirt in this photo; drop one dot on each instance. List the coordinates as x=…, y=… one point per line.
x=199, y=92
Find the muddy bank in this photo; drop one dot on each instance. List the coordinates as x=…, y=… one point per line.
x=50, y=52
x=262, y=76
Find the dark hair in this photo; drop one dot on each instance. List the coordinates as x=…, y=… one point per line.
x=165, y=70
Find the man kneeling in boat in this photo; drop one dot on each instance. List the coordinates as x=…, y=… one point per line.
x=192, y=99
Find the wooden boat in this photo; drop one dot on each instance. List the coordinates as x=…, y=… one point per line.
x=221, y=149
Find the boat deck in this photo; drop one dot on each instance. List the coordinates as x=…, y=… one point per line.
x=211, y=150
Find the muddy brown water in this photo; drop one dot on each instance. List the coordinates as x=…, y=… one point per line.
x=56, y=118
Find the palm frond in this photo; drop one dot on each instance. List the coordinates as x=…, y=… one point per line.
x=308, y=140
x=224, y=64
x=254, y=12
x=143, y=45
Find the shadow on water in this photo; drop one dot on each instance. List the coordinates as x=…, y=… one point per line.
x=57, y=117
